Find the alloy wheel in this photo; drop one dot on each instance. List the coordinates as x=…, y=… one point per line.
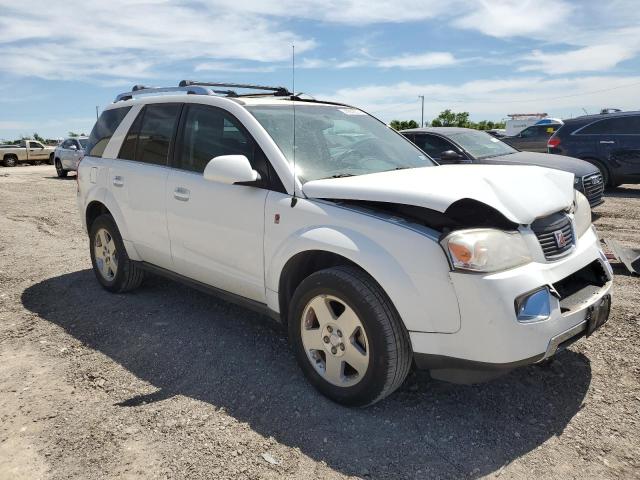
x=105, y=253
x=335, y=340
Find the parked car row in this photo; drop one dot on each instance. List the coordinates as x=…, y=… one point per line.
x=449, y=145
x=375, y=257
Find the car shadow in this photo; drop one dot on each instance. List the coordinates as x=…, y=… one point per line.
x=188, y=343
x=622, y=192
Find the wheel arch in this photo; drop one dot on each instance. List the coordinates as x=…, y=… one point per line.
x=309, y=250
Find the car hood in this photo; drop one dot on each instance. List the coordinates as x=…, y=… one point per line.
x=520, y=193
x=578, y=167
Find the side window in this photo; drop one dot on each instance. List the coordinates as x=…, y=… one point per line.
x=432, y=145
x=35, y=145
x=156, y=132
x=210, y=132
x=628, y=125
x=528, y=132
x=65, y=144
x=103, y=130
x=600, y=127
x=128, y=148
x=150, y=135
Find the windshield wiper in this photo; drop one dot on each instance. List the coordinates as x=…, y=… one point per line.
x=342, y=175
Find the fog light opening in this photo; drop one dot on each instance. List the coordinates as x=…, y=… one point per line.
x=534, y=306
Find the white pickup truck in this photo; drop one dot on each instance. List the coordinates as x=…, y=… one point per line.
x=374, y=256
x=27, y=151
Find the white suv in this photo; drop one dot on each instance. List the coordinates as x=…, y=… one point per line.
x=375, y=257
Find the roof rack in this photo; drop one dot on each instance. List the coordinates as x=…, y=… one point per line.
x=191, y=87
x=278, y=91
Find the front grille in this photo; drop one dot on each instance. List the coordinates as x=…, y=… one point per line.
x=593, y=188
x=555, y=234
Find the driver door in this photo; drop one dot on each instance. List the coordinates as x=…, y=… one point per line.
x=216, y=230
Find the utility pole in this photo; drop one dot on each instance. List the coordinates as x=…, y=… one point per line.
x=96, y=113
x=422, y=115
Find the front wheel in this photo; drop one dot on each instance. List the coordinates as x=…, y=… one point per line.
x=59, y=170
x=111, y=264
x=347, y=336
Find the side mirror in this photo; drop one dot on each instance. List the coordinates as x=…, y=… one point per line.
x=230, y=169
x=451, y=156
x=72, y=147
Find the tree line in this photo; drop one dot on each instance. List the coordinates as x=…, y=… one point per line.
x=447, y=118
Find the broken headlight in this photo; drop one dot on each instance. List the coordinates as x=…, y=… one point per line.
x=485, y=250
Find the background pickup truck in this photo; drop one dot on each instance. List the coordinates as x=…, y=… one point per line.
x=27, y=151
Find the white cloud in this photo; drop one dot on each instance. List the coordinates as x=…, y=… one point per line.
x=493, y=99
x=419, y=61
x=510, y=18
x=593, y=58
x=357, y=12
x=121, y=39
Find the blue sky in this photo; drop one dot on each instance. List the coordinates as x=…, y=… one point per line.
x=489, y=58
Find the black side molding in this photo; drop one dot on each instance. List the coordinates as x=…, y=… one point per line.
x=257, y=307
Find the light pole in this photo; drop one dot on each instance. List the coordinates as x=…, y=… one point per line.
x=422, y=114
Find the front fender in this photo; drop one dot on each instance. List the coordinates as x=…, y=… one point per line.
x=420, y=309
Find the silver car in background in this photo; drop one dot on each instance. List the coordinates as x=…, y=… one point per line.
x=68, y=154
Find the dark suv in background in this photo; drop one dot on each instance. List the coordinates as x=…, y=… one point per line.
x=610, y=141
x=533, y=138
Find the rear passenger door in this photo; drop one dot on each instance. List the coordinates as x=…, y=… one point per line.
x=619, y=143
x=138, y=180
x=216, y=230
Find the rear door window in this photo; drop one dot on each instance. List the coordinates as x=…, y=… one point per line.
x=103, y=130
x=151, y=134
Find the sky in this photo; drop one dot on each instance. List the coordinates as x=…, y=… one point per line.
x=59, y=60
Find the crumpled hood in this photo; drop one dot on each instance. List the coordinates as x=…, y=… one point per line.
x=520, y=193
x=578, y=167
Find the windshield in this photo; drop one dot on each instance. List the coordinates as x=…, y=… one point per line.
x=83, y=142
x=480, y=144
x=335, y=141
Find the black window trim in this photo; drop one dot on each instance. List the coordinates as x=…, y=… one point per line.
x=274, y=184
x=141, y=114
x=577, y=132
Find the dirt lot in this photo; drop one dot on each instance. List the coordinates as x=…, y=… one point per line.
x=168, y=382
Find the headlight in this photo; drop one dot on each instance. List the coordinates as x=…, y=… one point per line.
x=581, y=213
x=485, y=250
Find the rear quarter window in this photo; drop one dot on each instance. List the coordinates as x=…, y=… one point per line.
x=627, y=125
x=103, y=130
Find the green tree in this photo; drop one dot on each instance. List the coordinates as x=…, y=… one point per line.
x=447, y=118
x=72, y=134
x=403, y=124
x=38, y=137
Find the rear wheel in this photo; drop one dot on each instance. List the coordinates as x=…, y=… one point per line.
x=347, y=336
x=59, y=170
x=10, y=161
x=111, y=264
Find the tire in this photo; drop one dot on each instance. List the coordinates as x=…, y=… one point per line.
x=51, y=159
x=59, y=170
x=114, y=270
x=373, y=360
x=10, y=161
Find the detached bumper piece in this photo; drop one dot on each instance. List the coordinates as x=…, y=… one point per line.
x=630, y=257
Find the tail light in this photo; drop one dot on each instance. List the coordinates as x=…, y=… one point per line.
x=553, y=142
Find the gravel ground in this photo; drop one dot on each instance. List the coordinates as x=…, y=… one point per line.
x=167, y=382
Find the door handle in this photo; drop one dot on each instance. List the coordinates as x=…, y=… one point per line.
x=182, y=194
x=118, y=181
x=607, y=141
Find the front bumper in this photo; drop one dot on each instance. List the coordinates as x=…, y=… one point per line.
x=491, y=340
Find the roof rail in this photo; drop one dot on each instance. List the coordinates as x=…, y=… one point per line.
x=279, y=91
x=141, y=90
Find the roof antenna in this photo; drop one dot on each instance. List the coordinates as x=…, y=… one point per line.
x=294, y=199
